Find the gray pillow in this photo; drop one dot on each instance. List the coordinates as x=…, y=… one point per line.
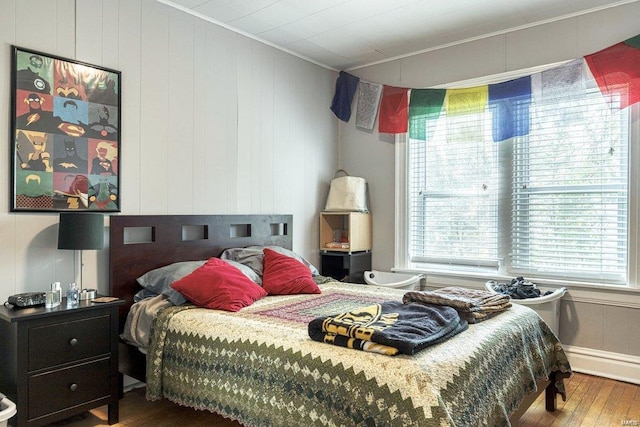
x=159, y=281
x=251, y=256
x=248, y=271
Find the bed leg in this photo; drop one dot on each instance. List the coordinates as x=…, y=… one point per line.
x=550, y=393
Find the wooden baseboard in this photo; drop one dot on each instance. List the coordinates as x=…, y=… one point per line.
x=617, y=366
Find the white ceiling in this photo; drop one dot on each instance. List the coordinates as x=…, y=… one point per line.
x=348, y=34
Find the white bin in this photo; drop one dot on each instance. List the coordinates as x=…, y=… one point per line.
x=547, y=306
x=7, y=410
x=394, y=280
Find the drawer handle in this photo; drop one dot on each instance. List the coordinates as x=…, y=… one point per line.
x=73, y=342
x=73, y=387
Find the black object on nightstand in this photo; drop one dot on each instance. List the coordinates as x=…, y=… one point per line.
x=345, y=266
x=58, y=362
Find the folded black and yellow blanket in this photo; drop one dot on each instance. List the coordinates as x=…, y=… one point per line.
x=473, y=305
x=389, y=328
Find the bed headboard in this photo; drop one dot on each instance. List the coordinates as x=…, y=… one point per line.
x=139, y=243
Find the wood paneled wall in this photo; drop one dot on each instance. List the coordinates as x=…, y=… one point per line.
x=212, y=122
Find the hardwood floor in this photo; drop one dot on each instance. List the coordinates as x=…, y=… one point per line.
x=591, y=401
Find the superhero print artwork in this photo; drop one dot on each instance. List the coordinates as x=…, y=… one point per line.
x=66, y=134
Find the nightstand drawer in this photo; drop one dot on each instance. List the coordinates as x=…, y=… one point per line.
x=66, y=388
x=64, y=342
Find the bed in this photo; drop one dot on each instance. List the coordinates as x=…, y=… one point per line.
x=258, y=365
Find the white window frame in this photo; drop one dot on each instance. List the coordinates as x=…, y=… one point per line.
x=402, y=261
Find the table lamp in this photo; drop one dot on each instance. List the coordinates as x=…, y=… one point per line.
x=80, y=231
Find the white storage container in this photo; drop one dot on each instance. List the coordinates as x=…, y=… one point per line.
x=394, y=280
x=7, y=410
x=547, y=306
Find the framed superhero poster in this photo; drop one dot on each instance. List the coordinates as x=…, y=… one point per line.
x=65, y=134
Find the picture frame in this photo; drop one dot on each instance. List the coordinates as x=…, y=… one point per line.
x=65, y=134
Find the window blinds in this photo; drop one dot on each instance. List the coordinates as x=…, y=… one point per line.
x=453, y=192
x=569, y=216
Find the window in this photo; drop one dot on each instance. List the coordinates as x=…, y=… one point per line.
x=569, y=215
x=552, y=203
x=453, y=204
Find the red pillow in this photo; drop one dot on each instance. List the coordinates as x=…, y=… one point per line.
x=283, y=275
x=219, y=285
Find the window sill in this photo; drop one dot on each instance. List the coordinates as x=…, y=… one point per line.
x=617, y=295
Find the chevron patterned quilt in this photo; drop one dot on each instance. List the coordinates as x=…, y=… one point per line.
x=258, y=366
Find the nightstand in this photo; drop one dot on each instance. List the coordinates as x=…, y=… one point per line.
x=345, y=245
x=58, y=362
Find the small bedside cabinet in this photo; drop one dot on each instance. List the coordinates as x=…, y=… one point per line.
x=58, y=362
x=345, y=245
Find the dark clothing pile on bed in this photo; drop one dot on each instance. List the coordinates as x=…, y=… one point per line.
x=472, y=305
x=519, y=289
x=389, y=328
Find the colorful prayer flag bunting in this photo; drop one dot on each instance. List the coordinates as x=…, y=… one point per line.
x=615, y=69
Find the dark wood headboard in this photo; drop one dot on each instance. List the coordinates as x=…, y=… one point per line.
x=139, y=243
